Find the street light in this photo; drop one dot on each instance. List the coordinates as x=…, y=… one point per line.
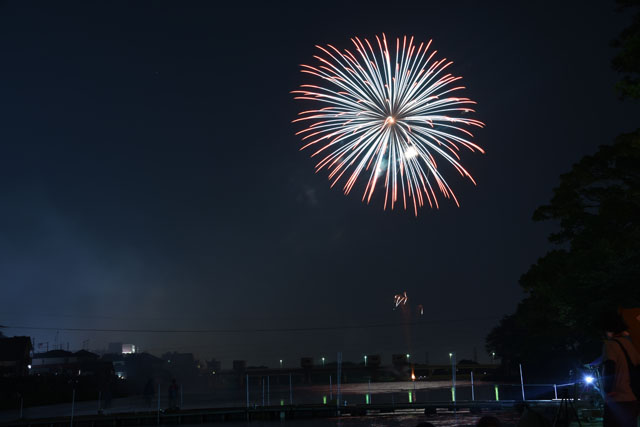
x=280, y=363
x=365, y=360
x=408, y=355
x=493, y=357
x=323, y=362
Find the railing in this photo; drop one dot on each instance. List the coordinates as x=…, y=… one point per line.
x=264, y=391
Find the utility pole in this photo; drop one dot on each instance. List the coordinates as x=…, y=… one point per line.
x=338, y=395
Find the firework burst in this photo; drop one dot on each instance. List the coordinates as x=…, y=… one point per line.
x=387, y=117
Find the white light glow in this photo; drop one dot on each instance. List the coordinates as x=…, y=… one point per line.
x=410, y=152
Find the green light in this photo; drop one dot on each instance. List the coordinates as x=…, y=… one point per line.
x=367, y=399
x=453, y=394
x=281, y=402
x=324, y=400
x=495, y=387
x=410, y=397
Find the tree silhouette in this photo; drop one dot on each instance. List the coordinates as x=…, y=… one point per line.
x=595, y=264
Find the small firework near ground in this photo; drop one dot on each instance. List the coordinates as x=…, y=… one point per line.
x=400, y=299
x=386, y=117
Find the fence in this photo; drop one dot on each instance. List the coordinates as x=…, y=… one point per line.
x=282, y=390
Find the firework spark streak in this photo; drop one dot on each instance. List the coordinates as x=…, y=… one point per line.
x=387, y=116
x=400, y=299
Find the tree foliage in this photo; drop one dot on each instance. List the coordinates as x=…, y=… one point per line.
x=597, y=206
x=595, y=267
x=627, y=61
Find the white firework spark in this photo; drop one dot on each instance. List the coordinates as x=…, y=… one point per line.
x=387, y=118
x=400, y=299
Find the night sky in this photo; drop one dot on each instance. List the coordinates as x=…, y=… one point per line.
x=150, y=177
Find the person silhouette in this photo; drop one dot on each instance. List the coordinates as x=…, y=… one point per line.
x=620, y=403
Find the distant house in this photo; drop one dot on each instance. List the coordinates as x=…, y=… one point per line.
x=15, y=356
x=214, y=366
x=84, y=355
x=138, y=368
x=80, y=363
x=52, y=362
x=182, y=365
